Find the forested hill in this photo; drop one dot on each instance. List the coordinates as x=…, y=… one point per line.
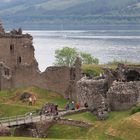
x=53, y=12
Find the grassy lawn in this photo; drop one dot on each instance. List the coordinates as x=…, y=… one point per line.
x=67, y=132
x=23, y=138
x=119, y=125
x=11, y=105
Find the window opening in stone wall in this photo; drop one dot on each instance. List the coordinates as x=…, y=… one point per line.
x=72, y=74
x=6, y=72
x=19, y=59
x=12, y=48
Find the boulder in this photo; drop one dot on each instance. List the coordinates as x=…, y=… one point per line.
x=25, y=96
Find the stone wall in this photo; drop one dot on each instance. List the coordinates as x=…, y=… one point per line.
x=64, y=121
x=123, y=95
x=91, y=92
x=57, y=79
x=17, y=50
x=5, y=77
x=25, y=75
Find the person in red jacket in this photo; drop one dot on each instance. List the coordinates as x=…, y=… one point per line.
x=77, y=106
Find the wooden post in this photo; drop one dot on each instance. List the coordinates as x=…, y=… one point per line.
x=24, y=119
x=9, y=121
x=16, y=120
x=41, y=117
x=31, y=117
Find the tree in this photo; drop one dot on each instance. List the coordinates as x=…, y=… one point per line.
x=88, y=59
x=67, y=56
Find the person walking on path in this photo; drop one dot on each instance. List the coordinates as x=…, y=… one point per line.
x=30, y=101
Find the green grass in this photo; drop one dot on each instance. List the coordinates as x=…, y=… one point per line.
x=23, y=138
x=118, y=126
x=101, y=130
x=86, y=116
x=10, y=104
x=67, y=132
x=93, y=70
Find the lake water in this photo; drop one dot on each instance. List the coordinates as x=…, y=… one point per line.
x=106, y=45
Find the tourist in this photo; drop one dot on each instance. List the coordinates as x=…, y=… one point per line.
x=67, y=106
x=67, y=97
x=77, y=105
x=72, y=105
x=34, y=100
x=30, y=101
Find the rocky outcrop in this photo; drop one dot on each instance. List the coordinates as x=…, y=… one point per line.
x=38, y=130
x=5, y=131
x=123, y=95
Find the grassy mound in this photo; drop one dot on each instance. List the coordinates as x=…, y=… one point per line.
x=10, y=103
x=67, y=132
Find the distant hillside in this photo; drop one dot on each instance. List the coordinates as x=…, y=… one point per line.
x=41, y=13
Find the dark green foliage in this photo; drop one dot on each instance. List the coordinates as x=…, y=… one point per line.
x=88, y=58
x=135, y=109
x=92, y=70
x=67, y=56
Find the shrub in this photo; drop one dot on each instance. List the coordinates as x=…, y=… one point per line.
x=134, y=110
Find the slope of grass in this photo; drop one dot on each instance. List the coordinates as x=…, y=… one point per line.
x=99, y=130
x=86, y=116
x=11, y=105
x=67, y=132
x=23, y=138
x=119, y=125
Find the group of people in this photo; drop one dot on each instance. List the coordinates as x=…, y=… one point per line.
x=72, y=105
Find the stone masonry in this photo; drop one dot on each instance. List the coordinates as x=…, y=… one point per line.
x=19, y=68
x=118, y=89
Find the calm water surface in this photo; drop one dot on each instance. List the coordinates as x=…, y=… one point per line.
x=106, y=45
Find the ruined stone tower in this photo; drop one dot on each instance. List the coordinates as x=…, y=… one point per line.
x=18, y=66
x=17, y=48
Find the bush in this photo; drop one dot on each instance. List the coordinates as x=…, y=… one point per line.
x=92, y=70
x=135, y=110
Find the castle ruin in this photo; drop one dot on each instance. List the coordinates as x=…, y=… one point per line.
x=118, y=90
x=19, y=68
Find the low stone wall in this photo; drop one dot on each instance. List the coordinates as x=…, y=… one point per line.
x=65, y=121
x=70, y=112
